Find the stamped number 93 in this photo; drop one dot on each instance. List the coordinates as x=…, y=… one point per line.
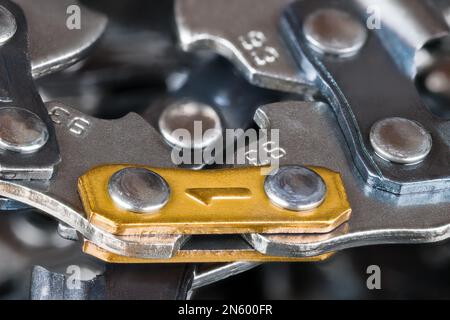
x=255, y=42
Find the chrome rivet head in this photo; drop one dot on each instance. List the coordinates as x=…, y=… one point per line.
x=8, y=26
x=185, y=115
x=437, y=81
x=295, y=188
x=400, y=140
x=334, y=32
x=138, y=190
x=21, y=131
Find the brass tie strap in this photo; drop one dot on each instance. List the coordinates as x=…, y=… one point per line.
x=207, y=202
x=230, y=201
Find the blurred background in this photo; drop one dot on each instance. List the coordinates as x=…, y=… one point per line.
x=137, y=67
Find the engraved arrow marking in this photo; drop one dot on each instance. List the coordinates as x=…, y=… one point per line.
x=206, y=195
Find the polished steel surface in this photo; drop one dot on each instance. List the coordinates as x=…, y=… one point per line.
x=381, y=64
x=407, y=28
x=201, y=121
x=400, y=140
x=21, y=131
x=83, y=146
x=8, y=26
x=245, y=32
x=334, y=32
x=138, y=190
x=378, y=217
x=53, y=46
x=295, y=188
x=364, y=89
